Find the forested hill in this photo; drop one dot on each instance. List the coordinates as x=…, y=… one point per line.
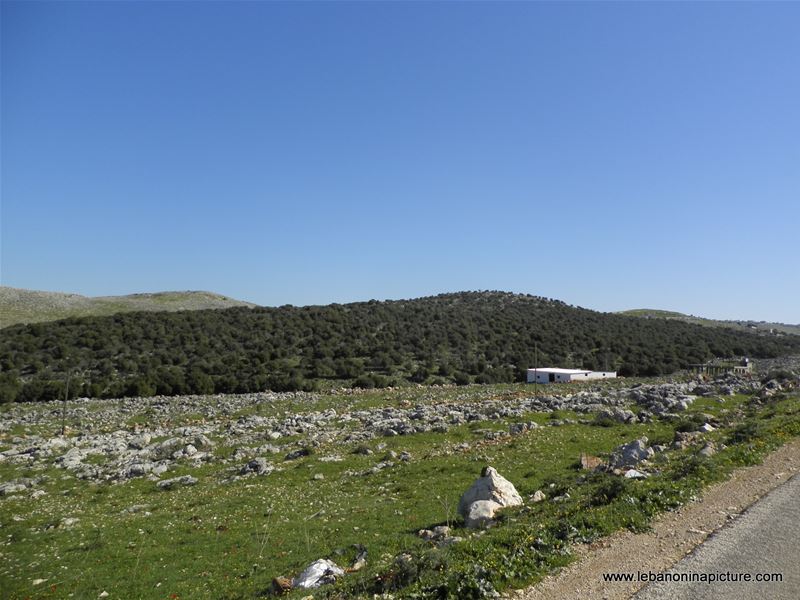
x=748, y=325
x=461, y=338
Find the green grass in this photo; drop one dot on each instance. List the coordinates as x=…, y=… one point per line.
x=222, y=539
x=29, y=306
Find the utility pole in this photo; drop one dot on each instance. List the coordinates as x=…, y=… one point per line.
x=535, y=368
x=64, y=407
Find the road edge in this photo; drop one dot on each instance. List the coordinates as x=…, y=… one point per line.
x=673, y=534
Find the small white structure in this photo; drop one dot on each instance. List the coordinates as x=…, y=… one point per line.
x=556, y=375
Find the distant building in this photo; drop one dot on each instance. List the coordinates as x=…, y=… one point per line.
x=556, y=375
x=741, y=366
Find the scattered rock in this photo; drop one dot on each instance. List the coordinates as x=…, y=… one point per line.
x=139, y=442
x=634, y=474
x=12, y=487
x=168, y=484
x=359, y=562
x=519, y=428
x=299, y=453
x=630, y=454
x=257, y=466
x=538, y=496
x=617, y=415
x=708, y=450
x=332, y=458
x=440, y=535
x=379, y=467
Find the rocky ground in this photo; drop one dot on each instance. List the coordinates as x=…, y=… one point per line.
x=373, y=445
x=116, y=440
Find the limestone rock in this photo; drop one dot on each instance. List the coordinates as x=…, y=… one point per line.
x=359, y=562
x=12, y=487
x=634, y=474
x=708, y=450
x=630, y=454
x=481, y=514
x=139, y=442
x=618, y=415
x=519, y=428
x=489, y=487
x=259, y=466
x=168, y=484
x=299, y=453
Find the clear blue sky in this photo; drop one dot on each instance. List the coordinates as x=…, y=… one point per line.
x=611, y=155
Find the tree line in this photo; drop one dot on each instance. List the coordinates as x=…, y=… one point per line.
x=468, y=337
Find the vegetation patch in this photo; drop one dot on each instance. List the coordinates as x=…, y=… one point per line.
x=229, y=536
x=481, y=337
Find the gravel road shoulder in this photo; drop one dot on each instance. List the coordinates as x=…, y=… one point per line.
x=673, y=536
x=763, y=544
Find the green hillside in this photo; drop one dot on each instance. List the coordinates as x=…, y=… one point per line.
x=29, y=306
x=480, y=337
x=743, y=325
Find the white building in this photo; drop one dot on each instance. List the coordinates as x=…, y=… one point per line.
x=556, y=375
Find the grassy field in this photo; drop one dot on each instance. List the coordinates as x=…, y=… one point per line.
x=229, y=539
x=29, y=306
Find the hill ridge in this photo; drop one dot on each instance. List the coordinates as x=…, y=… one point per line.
x=463, y=337
x=20, y=305
x=744, y=324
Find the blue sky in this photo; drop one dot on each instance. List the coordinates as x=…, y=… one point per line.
x=610, y=155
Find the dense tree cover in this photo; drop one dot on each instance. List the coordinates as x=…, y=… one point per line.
x=467, y=337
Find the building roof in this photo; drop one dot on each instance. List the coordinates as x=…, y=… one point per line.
x=558, y=370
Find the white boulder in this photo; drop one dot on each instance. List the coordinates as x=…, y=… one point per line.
x=491, y=491
x=481, y=514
